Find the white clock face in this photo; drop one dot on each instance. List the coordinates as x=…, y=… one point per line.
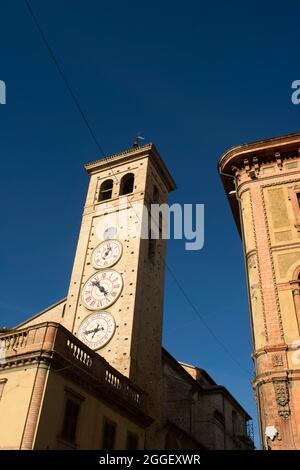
x=106, y=254
x=97, y=329
x=102, y=289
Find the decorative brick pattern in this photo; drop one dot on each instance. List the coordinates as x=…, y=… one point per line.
x=275, y=218
x=259, y=271
x=266, y=271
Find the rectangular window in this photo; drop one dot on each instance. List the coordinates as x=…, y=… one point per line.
x=298, y=199
x=2, y=384
x=132, y=441
x=70, y=422
x=109, y=435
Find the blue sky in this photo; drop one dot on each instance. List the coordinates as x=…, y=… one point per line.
x=195, y=78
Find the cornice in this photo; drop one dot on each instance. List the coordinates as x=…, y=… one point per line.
x=274, y=376
x=269, y=349
x=265, y=145
x=251, y=156
x=116, y=156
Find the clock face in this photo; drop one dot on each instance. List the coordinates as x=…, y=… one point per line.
x=97, y=329
x=106, y=254
x=102, y=289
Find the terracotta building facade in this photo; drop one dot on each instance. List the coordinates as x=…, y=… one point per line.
x=262, y=182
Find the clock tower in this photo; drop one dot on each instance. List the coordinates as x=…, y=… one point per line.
x=115, y=298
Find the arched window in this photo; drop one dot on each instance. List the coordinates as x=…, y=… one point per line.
x=155, y=195
x=126, y=185
x=106, y=190
x=296, y=276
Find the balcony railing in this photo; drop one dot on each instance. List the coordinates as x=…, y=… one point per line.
x=53, y=339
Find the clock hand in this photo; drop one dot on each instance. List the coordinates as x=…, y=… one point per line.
x=96, y=330
x=101, y=288
x=88, y=332
x=106, y=253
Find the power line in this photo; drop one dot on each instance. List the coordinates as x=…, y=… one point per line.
x=194, y=308
x=64, y=78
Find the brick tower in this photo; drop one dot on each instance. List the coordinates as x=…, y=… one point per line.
x=262, y=182
x=115, y=298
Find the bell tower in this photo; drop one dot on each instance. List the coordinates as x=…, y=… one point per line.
x=262, y=180
x=115, y=298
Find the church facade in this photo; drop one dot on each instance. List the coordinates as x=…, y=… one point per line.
x=262, y=181
x=90, y=372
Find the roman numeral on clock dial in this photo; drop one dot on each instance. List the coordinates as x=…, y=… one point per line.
x=102, y=289
x=97, y=329
x=106, y=254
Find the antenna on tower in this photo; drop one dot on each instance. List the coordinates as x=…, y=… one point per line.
x=137, y=140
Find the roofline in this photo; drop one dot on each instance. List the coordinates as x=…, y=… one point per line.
x=203, y=371
x=258, y=145
x=116, y=156
x=40, y=313
x=221, y=388
x=179, y=367
x=133, y=154
x=207, y=388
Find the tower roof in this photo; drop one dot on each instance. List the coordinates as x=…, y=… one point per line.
x=148, y=150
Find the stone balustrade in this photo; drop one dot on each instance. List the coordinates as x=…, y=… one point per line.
x=49, y=339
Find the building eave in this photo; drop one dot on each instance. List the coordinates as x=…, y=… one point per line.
x=229, y=396
x=280, y=142
x=202, y=371
x=213, y=388
x=263, y=150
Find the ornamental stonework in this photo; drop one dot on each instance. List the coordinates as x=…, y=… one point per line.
x=277, y=360
x=282, y=398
